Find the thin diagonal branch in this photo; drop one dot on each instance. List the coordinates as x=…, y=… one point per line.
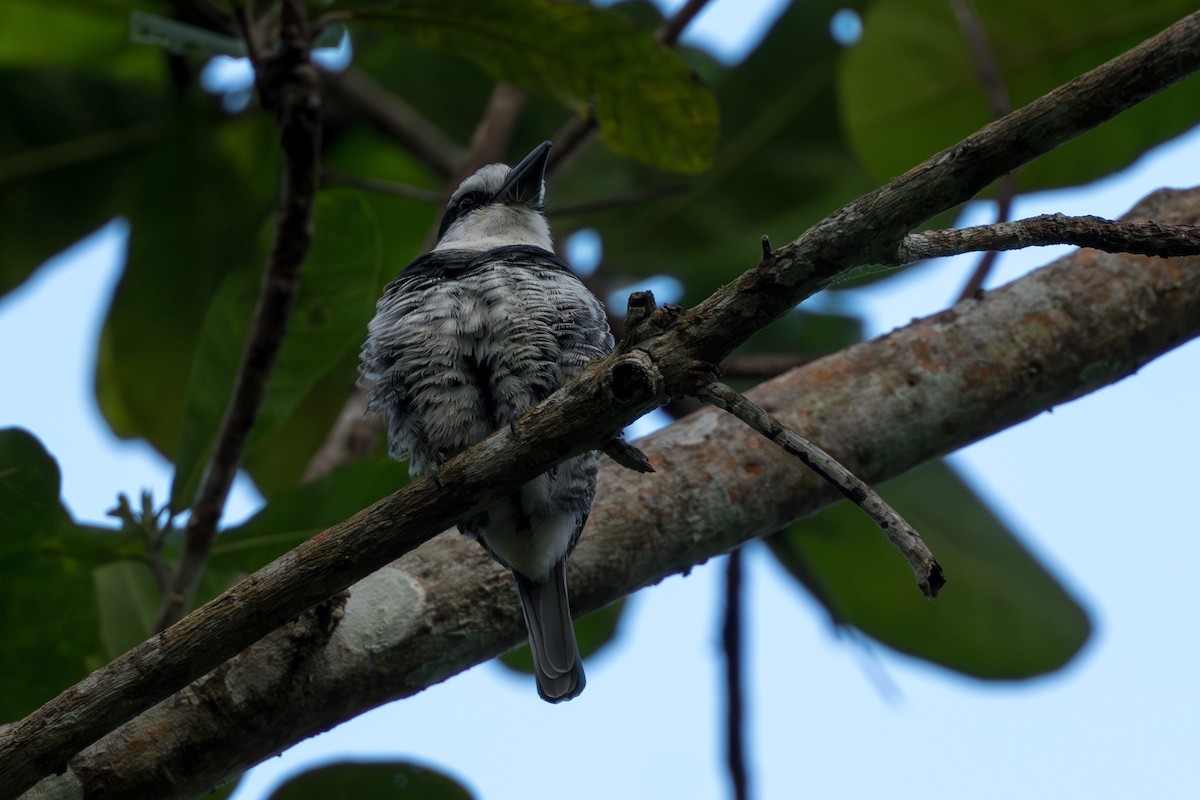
x=405, y=190
x=902, y=535
x=615, y=201
x=1144, y=238
x=288, y=86
x=610, y=394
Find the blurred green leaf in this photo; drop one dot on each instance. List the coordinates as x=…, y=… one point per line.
x=68, y=33
x=180, y=37
x=47, y=599
x=196, y=206
x=781, y=165
x=593, y=632
x=335, y=299
x=66, y=141
x=647, y=102
x=29, y=486
x=371, y=780
x=276, y=462
x=1001, y=616
x=80, y=106
x=127, y=601
x=910, y=88
x=403, y=221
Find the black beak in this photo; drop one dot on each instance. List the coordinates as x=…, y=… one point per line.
x=524, y=182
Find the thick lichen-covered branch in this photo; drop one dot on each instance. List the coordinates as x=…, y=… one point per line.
x=881, y=407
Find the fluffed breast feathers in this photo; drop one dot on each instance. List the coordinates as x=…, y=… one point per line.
x=463, y=343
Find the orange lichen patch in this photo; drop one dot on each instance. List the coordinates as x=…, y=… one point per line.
x=979, y=373
x=926, y=353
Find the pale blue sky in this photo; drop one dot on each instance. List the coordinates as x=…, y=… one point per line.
x=1122, y=720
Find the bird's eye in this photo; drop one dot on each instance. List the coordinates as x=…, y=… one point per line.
x=469, y=201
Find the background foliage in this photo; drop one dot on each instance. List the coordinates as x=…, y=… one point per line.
x=95, y=127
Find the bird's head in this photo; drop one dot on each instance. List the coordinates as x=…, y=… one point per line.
x=499, y=206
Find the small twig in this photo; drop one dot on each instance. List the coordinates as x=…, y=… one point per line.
x=616, y=201
x=981, y=52
x=337, y=178
x=673, y=27
x=731, y=641
x=151, y=527
x=1143, y=238
x=1000, y=103
x=900, y=533
x=627, y=455
x=288, y=86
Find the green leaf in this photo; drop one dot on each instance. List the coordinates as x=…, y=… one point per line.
x=1001, y=616
x=335, y=299
x=46, y=595
x=909, y=88
x=371, y=780
x=62, y=33
x=181, y=38
x=80, y=106
x=196, y=206
x=66, y=142
x=295, y=514
x=593, y=632
x=647, y=102
x=29, y=487
x=127, y=601
x=781, y=165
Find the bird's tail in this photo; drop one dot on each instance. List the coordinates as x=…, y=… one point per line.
x=551, y=635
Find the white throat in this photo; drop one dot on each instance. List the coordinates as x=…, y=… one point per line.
x=497, y=226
